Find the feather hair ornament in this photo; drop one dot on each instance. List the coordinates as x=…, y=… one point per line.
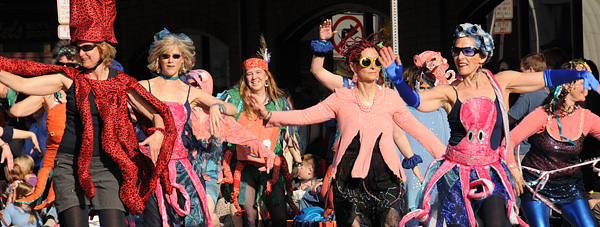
x=263, y=51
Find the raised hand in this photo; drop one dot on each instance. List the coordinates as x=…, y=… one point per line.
x=257, y=106
x=325, y=30
x=590, y=81
x=393, y=68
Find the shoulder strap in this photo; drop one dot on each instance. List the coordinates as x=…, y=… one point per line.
x=149, y=87
x=503, y=111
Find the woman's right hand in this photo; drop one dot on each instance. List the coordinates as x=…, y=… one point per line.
x=325, y=31
x=519, y=182
x=257, y=106
x=7, y=156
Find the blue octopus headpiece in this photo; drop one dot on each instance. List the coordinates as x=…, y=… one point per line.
x=164, y=33
x=483, y=40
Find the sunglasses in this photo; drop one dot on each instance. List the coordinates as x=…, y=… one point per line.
x=467, y=51
x=167, y=56
x=71, y=65
x=367, y=62
x=86, y=48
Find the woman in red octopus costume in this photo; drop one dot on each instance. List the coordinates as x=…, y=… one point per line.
x=473, y=178
x=172, y=55
x=368, y=188
x=99, y=155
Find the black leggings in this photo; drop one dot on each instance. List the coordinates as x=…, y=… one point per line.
x=492, y=212
x=277, y=213
x=77, y=216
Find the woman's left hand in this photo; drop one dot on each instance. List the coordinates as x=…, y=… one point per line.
x=154, y=141
x=388, y=57
x=216, y=118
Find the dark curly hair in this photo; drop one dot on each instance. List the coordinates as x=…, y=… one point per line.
x=354, y=46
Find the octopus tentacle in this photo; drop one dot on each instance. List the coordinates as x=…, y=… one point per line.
x=227, y=176
x=239, y=167
x=275, y=174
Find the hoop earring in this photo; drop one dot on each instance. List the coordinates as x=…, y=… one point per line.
x=266, y=83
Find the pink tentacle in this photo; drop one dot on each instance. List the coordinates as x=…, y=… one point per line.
x=199, y=188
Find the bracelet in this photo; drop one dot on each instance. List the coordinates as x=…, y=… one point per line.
x=297, y=164
x=152, y=130
x=320, y=48
x=268, y=117
x=220, y=107
x=512, y=166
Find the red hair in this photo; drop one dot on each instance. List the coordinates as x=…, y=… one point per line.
x=354, y=46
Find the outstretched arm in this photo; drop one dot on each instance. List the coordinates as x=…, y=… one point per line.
x=517, y=82
x=27, y=106
x=328, y=79
x=41, y=85
x=215, y=106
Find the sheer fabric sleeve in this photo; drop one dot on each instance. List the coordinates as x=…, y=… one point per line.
x=531, y=124
x=412, y=126
x=321, y=112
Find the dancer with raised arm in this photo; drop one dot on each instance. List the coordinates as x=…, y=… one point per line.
x=472, y=178
x=368, y=189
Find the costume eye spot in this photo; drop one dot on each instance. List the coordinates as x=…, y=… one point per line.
x=480, y=136
x=470, y=136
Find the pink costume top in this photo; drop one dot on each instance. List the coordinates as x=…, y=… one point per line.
x=180, y=154
x=572, y=127
x=370, y=121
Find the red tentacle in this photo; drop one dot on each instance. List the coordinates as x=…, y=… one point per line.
x=227, y=176
x=239, y=167
x=288, y=184
x=275, y=175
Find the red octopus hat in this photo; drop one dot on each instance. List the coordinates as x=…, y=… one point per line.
x=92, y=20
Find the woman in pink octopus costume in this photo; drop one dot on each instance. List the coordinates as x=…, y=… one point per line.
x=472, y=179
x=368, y=188
x=172, y=55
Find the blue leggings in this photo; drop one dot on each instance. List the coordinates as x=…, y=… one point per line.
x=578, y=213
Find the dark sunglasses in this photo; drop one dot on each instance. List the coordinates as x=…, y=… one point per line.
x=167, y=56
x=467, y=51
x=71, y=65
x=366, y=62
x=86, y=48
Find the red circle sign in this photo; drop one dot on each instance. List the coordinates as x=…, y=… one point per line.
x=343, y=40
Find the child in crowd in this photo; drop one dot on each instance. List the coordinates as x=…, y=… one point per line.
x=306, y=193
x=22, y=170
x=18, y=214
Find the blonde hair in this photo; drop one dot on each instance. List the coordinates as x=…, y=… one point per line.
x=186, y=47
x=21, y=189
x=107, y=52
x=23, y=165
x=272, y=91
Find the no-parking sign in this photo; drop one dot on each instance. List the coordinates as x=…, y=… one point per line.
x=347, y=26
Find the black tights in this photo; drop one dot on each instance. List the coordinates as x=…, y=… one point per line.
x=78, y=216
x=277, y=212
x=492, y=212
